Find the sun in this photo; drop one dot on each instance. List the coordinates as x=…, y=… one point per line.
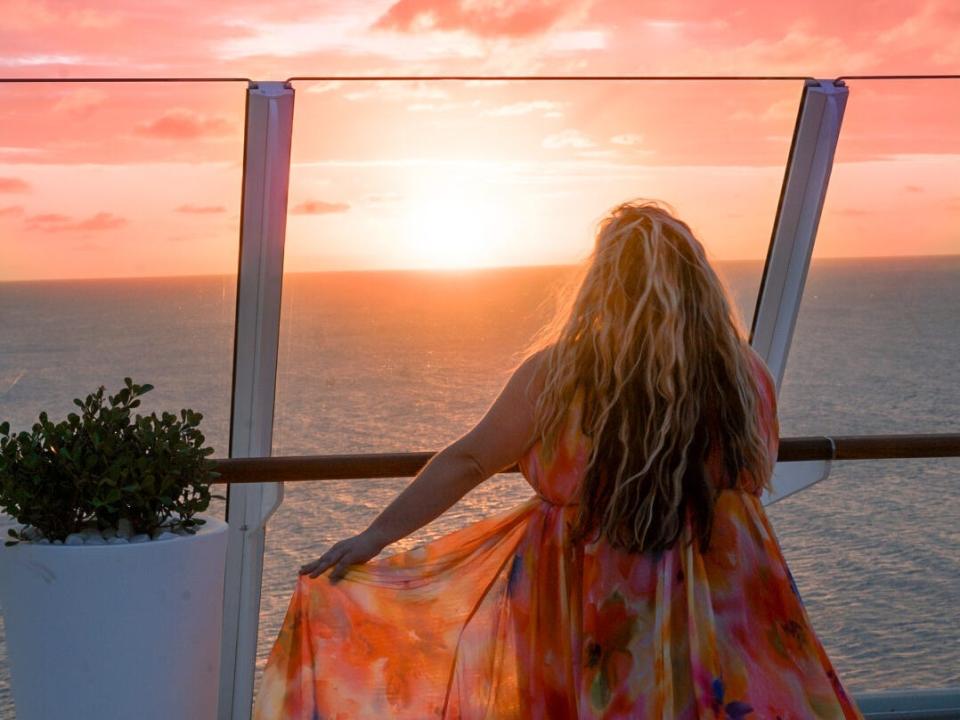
x=452, y=228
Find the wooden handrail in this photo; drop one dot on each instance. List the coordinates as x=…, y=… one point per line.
x=384, y=465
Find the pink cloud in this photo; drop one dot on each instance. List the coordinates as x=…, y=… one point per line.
x=569, y=138
x=181, y=124
x=56, y=222
x=11, y=210
x=319, y=207
x=201, y=209
x=387, y=198
x=525, y=108
x=101, y=221
x=627, y=139
x=486, y=19
x=35, y=15
x=27, y=15
x=45, y=218
x=13, y=185
x=79, y=102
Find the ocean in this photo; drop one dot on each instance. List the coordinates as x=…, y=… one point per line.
x=407, y=361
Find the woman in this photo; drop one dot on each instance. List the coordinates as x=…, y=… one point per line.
x=642, y=580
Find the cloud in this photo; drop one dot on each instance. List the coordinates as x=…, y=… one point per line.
x=913, y=188
x=80, y=101
x=627, y=139
x=201, y=209
x=56, y=222
x=597, y=154
x=485, y=83
x=48, y=218
x=484, y=18
x=778, y=110
x=578, y=41
x=34, y=59
x=34, y=15
x=664, y=24
x=94, y=19
x=11, y=210
x=323, y=87
x=183, y=124
x=784, y=109
x=803, y=49
x=340, y=38
x=100, y=221
x=18, y=150
x=27, y=15
x=319, y=207
x=568, y=138
x=13, y=185
x=525, y=108
x=387, y=198
x=918, y=28
x=441, y=107
x=398, y=91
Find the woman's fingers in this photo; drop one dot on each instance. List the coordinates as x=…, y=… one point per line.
x=345, y=553
x=324, y=561
x=317, y=567
x=331, y=559
x=340, y=555
x=341, y=569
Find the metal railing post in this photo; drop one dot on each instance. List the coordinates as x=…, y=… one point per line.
x=795, y=229
x=266, y=174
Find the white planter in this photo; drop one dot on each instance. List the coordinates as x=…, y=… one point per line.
x=116, y=631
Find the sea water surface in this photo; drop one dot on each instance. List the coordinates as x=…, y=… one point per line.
x=397, y=361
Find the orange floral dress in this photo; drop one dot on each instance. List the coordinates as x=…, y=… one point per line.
x=507, y=618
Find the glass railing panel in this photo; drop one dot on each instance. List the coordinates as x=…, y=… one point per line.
x=400, y=322
x=874, y=552
x=119, y=227
x=875, y=546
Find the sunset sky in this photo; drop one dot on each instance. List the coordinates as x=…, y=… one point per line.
x=119, y=179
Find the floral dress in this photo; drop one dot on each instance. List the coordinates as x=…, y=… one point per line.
x=507, y=618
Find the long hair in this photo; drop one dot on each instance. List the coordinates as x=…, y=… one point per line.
x=655, y=350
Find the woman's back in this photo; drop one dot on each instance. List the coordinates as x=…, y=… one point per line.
x=676, y=633
x=558, y=479
x=512, y=618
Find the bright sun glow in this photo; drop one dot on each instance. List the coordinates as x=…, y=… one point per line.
x=453, y=228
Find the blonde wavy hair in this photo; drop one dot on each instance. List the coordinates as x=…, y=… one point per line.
x=657, y=352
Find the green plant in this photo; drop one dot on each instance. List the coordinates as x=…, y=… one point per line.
x=100, y=466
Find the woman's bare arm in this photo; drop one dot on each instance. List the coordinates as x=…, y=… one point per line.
x=499, y=440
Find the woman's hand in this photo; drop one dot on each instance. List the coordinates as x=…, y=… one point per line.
x=352, y=551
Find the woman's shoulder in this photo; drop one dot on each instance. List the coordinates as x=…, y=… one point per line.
x=532, y=373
